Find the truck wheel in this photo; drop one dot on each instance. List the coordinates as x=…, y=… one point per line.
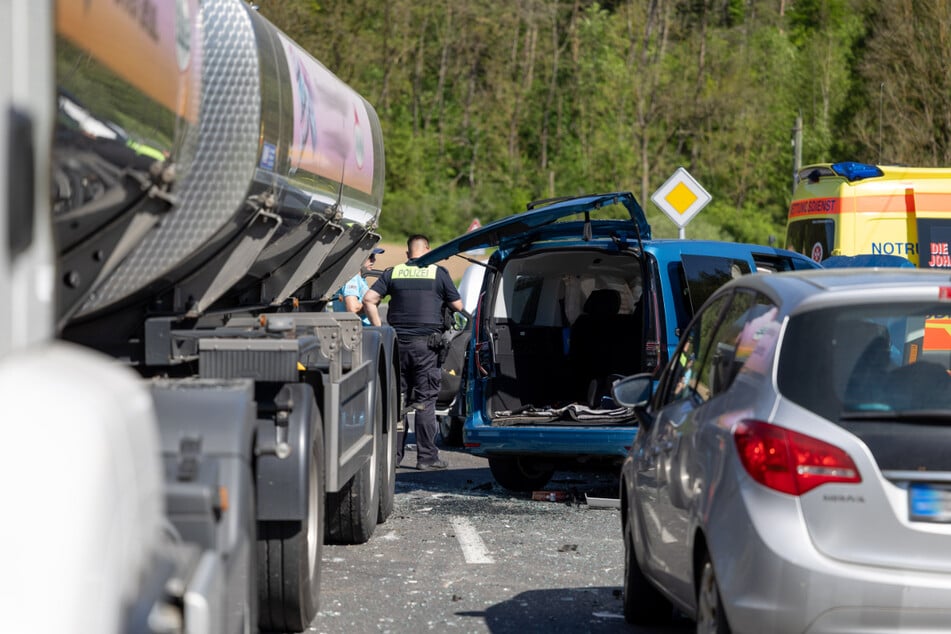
x=289, y=555
x=387, y=459
x=352, y=511
x=519, y=474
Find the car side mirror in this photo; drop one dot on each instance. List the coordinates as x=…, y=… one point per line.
x=633, y=391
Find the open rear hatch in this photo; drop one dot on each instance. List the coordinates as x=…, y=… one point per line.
x=561, y=312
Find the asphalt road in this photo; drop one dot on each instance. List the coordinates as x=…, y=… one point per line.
x=461, y=554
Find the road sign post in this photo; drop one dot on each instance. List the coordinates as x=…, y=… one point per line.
x=681, y=198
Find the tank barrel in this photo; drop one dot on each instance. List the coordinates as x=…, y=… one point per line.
x=236, y=172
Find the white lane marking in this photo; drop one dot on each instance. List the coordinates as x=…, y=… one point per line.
x=473, y=549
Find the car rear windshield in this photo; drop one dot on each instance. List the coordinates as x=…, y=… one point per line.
x=862, y=362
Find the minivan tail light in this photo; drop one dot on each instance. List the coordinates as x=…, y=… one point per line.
x=790, y=462
x=651, y=354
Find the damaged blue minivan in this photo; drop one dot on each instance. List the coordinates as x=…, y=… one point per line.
x=577, y=294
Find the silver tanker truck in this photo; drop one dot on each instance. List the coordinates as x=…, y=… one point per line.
x=182, y=189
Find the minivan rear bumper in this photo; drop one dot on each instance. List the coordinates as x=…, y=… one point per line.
x=549, y=440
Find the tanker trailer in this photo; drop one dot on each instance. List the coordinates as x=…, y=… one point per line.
x=128, y=94
x=198, y=231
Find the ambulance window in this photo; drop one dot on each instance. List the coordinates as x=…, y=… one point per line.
x=811, y=237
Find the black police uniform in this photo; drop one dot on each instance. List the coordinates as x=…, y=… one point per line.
x=417, y=295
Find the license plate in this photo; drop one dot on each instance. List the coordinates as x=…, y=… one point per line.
x=929, y=503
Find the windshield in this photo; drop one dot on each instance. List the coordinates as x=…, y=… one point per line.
x=869, y=361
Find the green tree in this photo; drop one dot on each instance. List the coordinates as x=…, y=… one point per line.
x=489, y=104
x=905, y=116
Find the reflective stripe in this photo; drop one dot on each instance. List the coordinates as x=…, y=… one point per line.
x=405, y=272
x=415, y=306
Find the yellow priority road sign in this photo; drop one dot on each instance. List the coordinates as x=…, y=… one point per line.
x=681, y=197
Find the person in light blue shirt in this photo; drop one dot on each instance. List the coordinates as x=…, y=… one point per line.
x=349, y=298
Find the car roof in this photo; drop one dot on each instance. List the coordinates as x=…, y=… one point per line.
x=820, y=287
x=671, y=248
x=867, y=260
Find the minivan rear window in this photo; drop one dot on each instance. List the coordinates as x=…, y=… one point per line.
x=704, y=274
x=528, y=289
x=812, y=237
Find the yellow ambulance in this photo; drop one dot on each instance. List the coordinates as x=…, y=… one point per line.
x=851, y=209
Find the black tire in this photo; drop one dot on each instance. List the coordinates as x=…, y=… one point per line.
x=289, y=555
x=710, y=615
x=519, y=474
x=450, y=428
x=643, y=603
x=352, y=511
x=387, y=457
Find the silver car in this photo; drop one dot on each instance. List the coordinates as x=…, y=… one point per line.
x=792, y=470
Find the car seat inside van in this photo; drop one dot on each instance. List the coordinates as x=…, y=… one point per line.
x=562, y=321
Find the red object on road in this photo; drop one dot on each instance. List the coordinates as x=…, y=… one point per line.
x=549, y=496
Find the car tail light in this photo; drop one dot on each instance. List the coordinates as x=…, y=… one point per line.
x=788, y=461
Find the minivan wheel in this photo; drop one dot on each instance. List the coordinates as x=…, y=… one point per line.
x=519, y=474
x=711, y=619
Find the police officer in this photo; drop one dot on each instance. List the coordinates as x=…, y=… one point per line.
x=417, y=296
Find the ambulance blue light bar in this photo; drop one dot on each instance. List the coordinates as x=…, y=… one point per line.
x=856, y=171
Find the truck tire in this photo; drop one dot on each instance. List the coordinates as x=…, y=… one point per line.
x=519, y=474
x=387, y=458
x=289, y=555
x=352, y=511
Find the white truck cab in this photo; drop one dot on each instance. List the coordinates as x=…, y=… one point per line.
x=81, y=480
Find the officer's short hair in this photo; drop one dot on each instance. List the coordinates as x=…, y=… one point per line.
x=416, y=237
